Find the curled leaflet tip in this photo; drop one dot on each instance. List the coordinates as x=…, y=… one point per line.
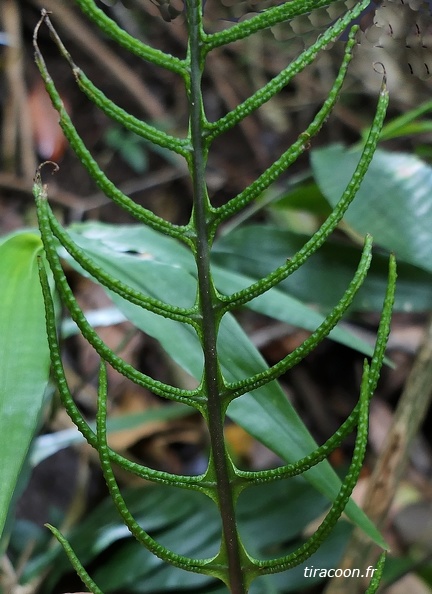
x=44, y=16
x=381, y=69
x=38, y=176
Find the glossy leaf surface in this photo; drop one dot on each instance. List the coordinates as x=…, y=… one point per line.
x=393, y=203
x=24, y=358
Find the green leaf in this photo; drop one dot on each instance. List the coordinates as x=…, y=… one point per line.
x=165, y=270
x=305, y=197
x=24, y=358
x=286, y=308
x=393, y=203
x=310, y=283
x=170, y=272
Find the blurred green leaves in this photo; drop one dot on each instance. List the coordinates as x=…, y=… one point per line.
x=170, y=514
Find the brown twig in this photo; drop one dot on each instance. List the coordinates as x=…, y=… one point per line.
x=17, y=141
x=109, y=61
x=78, y=205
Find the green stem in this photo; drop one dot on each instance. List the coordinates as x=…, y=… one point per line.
x=284, y=11
x=208, y=303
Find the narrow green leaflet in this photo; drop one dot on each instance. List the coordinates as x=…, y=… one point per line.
x=310, y=284
x=186, y=302
x=393, y=203
x=24, y=358
x=267, y=413
x=286, y=308
x=166, y=269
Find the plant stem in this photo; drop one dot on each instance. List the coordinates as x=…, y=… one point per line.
x=208, y=301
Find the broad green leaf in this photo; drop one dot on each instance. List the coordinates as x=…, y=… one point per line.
x=291, y=505
x=300, y=208
x=306, y=197
x=24, y=358
x=286, y=308
x=163, y=269
x=310, y=284
x=166, y=263
x=393, y=204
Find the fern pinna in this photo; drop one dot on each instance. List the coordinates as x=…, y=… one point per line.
x=222, y=481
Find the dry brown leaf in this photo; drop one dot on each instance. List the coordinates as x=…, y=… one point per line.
x=239, y=441
x=49, y=139
x=132, y=401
